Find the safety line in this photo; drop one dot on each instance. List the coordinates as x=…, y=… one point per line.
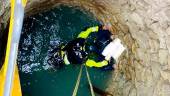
x=91, y=87
x=78, y=82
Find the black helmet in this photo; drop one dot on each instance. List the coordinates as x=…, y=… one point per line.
x=55, y=58
x=74, y=51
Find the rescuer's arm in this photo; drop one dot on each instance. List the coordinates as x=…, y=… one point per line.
x=85, y=34
x=92, y=63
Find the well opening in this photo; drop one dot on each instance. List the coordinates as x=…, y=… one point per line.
x=124, y=76
x=142, y=25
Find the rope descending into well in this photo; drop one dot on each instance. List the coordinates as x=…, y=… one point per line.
x=78, y=82
x=91, y=87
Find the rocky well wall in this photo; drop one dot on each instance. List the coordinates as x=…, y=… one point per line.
x=142, y=25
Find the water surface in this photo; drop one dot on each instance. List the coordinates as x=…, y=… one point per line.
x=39, y=34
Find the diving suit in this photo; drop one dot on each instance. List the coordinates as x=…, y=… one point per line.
x=86, y=50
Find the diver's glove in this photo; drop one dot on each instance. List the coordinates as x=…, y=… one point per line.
x=110, y=65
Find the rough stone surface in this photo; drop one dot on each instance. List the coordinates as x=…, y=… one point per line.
x=4, y=12
x=144, y=26
x=4, y=17
x=163, y=57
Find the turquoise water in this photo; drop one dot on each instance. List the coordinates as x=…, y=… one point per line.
x=40, y=32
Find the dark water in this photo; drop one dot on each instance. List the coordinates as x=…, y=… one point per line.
x=46, y=29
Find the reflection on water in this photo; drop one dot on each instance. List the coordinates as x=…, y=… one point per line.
x=40, y=34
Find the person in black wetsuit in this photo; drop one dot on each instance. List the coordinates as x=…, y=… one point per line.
x=80, y=50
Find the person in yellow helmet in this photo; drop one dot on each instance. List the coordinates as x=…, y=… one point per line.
x=83, y=51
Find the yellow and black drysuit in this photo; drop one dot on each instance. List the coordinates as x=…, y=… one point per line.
x=84, y=51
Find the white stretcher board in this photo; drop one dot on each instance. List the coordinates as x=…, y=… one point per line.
x=114, y=49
